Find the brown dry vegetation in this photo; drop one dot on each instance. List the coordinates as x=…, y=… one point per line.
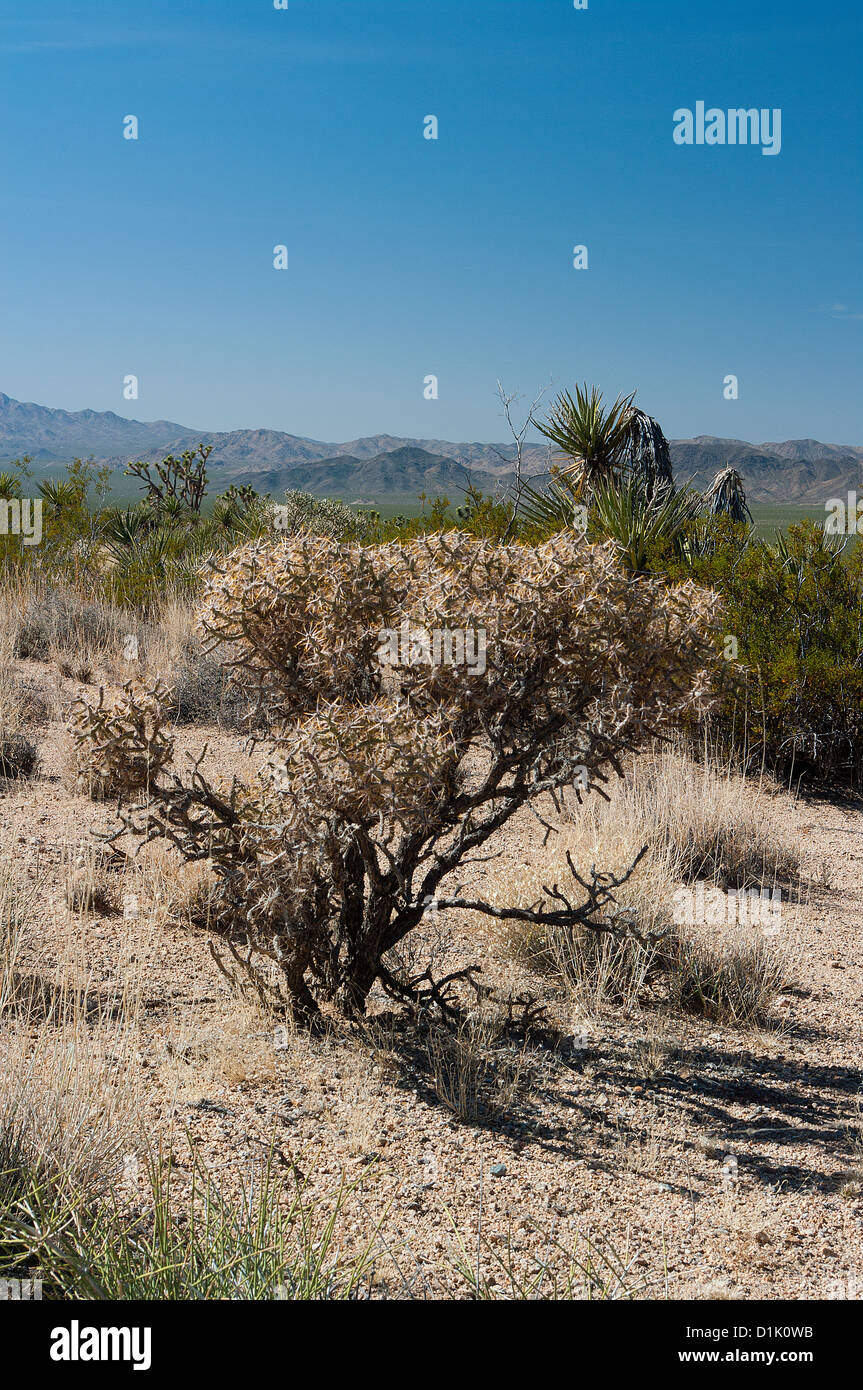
x=688, y=1120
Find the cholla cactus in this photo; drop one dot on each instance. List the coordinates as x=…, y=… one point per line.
x=120, y=745
x=321, y=516
x=383, y=778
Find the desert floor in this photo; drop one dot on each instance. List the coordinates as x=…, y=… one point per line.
x=614, y=1142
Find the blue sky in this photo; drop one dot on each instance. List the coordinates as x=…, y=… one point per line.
x=410, y=257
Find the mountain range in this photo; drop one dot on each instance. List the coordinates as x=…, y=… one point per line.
x=797, y=470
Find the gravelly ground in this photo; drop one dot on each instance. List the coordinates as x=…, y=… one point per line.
x=603, y=1144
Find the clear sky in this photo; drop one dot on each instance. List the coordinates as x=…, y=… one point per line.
x=409, y=257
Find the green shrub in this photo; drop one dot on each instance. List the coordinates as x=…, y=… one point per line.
x=794, y=696
x=264, y=1243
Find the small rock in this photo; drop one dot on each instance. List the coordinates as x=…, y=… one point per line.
x=499, y=1170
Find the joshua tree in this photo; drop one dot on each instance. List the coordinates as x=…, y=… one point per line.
x=176, y=482
x=395, y=752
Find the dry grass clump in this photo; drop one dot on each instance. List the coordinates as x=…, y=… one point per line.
x=475, y=1074
x=10, y=691
x=67, y=1110
x=60, y=625
x=87, y=887
x=598, y=968
x=202, y=692
x=238, y=1048
x=169, y=648
x=202, y=689
x=120, y=745
x=37, y=704
x=651, y=1051
x=87, y=640
x=18, y=754
x=67, y=1095
x=83, y=895
x=170, y=889
x=710, y=822
x=730, y=976
x=14, y=924
x=68, y=1100
x=692, y=820
x=77, y=666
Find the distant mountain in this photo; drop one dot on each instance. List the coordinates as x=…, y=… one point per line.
x=409, y=471
x=801, y=450
x=799, y=470
x=50, y=435
x=240, y=451
x=796, y=471
x=56, y=436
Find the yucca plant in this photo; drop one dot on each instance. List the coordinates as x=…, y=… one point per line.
x=122, y=531
x=554, y=508
x=639, y=523
x=10, y=478
x=174, y=512
x=593, y=438
x=154, y=560
x=57, y=493
x=605, y=444
x=270, y=1239
x=648, y=454
x=726, y=496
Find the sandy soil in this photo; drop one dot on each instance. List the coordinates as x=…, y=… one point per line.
x=621, y=1135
